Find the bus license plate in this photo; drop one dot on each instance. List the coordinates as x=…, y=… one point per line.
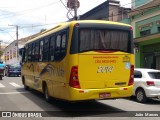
x=104, y=95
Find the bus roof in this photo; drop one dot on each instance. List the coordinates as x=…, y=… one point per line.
x=67, y=24
x=100, y=21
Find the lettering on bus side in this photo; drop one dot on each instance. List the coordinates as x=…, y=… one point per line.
x=105, y=61
x=105, y=69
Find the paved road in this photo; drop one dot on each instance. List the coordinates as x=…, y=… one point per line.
x=14, y=98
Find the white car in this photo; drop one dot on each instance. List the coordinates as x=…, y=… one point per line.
x=146, y=84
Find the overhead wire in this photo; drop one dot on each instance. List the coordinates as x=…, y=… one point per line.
x=27, y=10
x=51, y=4
x=39, y=7
x=66, y=8
x=72, y=15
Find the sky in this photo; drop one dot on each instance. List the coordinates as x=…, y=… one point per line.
x=31, y=16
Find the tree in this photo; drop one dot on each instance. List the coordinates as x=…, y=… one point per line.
x=1, y=53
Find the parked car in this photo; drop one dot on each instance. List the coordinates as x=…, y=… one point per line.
x=13, y=70
x=146, y=84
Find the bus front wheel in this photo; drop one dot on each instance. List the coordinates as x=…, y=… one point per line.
x=46, y=95
x=24, y=83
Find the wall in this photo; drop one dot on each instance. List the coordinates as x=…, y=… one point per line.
x=153, y=27
x=138, y=3
x=11, y=56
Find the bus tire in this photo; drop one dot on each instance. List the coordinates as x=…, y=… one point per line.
x=46, y=95
x=24, y=84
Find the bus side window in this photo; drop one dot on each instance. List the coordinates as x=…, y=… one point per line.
x=23, y=54
x=41, y=51
x=60, y=49
x=46, y=49
x=26, y=53
x=63, y=48
x=52, y=48
x=33, y=52
x=36, y=56
x=30, y=52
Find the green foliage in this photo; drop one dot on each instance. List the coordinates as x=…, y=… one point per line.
x=1, y=52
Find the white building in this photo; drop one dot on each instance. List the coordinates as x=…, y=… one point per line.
x=11, y=53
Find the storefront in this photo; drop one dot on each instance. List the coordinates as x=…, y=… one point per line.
x=148, y=52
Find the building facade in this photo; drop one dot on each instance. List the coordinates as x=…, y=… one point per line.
x=109, y=10
x=145, y=19
x=11, y=52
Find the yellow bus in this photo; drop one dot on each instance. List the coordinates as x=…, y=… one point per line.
x=80, y=60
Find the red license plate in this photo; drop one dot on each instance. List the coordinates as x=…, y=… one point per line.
x=104, y=95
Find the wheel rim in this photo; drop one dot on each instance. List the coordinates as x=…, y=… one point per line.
x=140, y=96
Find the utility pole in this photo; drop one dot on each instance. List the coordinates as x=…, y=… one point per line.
x=16, y=37
x=74, y=5
x=16, y=30
x=75, y=9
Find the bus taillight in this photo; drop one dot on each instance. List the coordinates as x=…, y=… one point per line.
x=74, y=81
x=131, y=80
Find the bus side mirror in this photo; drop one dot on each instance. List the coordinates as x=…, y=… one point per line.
x=21, y=50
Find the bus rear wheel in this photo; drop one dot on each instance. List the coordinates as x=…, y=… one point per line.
x=46, y=95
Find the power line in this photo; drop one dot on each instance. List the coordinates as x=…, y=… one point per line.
x=109, y=16
x=28, y=10
x=32, y=26
x=10, y=40
x=20, y=27
x=66, y=8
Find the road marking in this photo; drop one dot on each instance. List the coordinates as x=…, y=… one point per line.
x=12, y=93
x=1, y=85
x=14, y=84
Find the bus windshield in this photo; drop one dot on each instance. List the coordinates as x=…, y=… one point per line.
x=106, y=39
